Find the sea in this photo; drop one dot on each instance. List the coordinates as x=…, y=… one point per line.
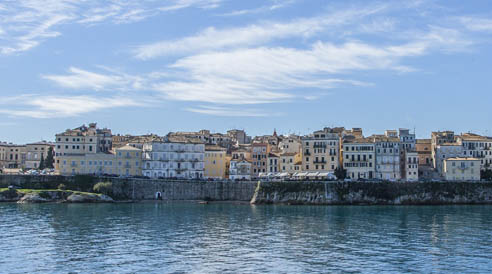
x=189, y=237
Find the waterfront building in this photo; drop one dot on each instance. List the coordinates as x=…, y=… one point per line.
x=462, y=169
x=240, y=169
x=259, y=153
x=12, y=155
x=288, y=162
x=35, y=152
x=359, y=158
x=320, y=151
x=273, y=163
x=84, y=139
x=387, y=156
x=445, y=151
x=438, y=138
x=477, y=146
x=411, y=166
x=215, y=162
x=424, y=152
x=123, y=161
x=176, y=157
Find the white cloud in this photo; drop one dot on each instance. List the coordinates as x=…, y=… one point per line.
x=181, y=4
x=230, y=112
x=82, y=79
x=476, y=23
x=274, y=6
x=27, y=23
x=252, y=35
x=38, y=106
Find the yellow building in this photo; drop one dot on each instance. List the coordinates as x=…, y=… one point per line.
x=462, y=169
x=124, y=161
x=12, y=156
x=215, y=162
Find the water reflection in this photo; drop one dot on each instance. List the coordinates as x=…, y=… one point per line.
x=225, y=238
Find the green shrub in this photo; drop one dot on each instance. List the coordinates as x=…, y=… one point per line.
x=103, y=188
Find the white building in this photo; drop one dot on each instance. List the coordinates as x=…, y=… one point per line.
x=445, y=151
x=477, y=146
x=240, y=169
x=387, y=157
x=359, y=158
x=174, y=158
x=411, y=166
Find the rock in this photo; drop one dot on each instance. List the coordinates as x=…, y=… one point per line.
x=10, y=195
x=33, y=198
x=88, y=198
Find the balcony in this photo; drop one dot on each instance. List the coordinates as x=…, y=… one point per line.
x=319, y=162
x=128, y=166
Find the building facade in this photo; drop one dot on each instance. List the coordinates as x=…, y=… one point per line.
x=462, y=169
x=123, y=161
x=240, y=169
x=181, y=158
x=445, y=151
x=387, y=157
x=215, y=162
x=359, y=158
x=411, y=166
x=477, y=146
x=12, y=155
x=36, y=151
x=259, y=155
x=321, y=151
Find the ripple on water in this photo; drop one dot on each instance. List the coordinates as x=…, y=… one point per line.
x=222, y=238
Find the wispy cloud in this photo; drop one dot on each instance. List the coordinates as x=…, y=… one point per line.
x=268, y=8
x=38, y=106
x=27, y=23
x=252, y=35
x=476, y=23
x=230, y=112
x=181, y=4
x=82, y=79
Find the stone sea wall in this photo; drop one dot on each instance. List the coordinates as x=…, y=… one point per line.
x=141, y=189
x=291, y=192
x=373, y=193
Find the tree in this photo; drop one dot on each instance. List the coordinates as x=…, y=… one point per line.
x=103, y=188
x=486, y=174
x=41, y=164
x=49, y=159
x=341, y=173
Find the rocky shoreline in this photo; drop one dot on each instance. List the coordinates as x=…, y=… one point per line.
x=25, y=196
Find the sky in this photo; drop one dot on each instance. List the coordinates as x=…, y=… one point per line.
x=154, y=66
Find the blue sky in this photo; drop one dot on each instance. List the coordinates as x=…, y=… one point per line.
x=295, y=65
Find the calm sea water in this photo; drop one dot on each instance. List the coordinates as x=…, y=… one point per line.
x=226, y=238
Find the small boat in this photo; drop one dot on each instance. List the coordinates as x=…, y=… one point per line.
x=203, y=203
